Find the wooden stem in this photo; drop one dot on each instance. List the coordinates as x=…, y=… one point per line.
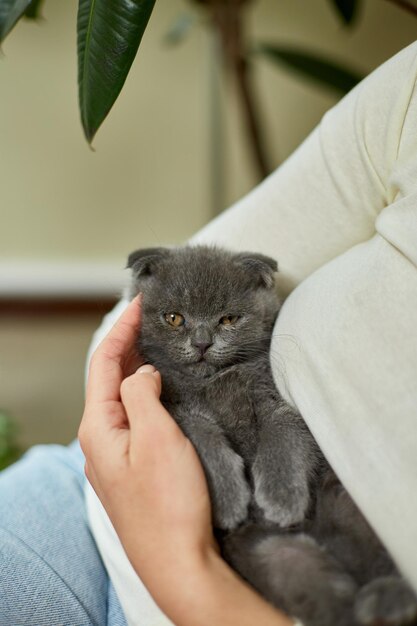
x=227, y=19
x=404, y=4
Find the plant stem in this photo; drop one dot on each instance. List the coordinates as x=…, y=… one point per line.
x=404, y=4
x=227, y=19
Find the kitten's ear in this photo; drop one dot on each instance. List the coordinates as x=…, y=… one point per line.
x=260, y=266
x=144, y=261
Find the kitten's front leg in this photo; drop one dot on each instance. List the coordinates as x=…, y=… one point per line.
x=225, y=473
x=285, y=463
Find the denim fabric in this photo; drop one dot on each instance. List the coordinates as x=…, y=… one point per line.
x=115, y=615
x=50, y=571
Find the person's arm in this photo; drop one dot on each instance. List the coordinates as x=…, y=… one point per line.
x=151, y=483
x=324, y=199
x=214, y=594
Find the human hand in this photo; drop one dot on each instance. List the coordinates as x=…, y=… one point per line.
x=142, y=467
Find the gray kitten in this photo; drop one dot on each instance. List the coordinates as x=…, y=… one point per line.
x=283, y=520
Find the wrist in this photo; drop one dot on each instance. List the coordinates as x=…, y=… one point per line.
x=182, y=579
x=172, y=570
x=207, y=591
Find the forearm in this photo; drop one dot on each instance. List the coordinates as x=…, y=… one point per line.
x=207, y=591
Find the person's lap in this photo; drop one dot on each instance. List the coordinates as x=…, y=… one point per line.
x=51, y=572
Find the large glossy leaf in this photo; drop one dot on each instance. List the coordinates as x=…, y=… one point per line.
x=317, y=68
x=347, y=10
x=109, y=34
x=10, y=12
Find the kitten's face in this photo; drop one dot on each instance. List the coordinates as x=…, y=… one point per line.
x=204, y=309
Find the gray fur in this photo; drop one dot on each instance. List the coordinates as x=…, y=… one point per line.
x=284, y=521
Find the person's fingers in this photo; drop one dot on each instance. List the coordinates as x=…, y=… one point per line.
x=147, y=416
x=103, y=427
x=107, y=363
x=143, y=389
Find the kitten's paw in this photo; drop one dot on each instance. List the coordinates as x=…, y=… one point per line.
x=285, y=504
x=231, y=495
x=387, y=601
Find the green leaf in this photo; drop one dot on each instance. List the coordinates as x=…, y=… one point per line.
x=11, y=456
x=7, y=426
x=10, y=13
x=319, y=69
x=347, y=10
x=33, y=10
x=9, y=449
x=109, y=34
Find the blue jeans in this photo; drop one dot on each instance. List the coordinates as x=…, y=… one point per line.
x=50, y=571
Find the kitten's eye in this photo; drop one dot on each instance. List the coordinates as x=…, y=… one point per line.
x=174, y=319
x=228, y=320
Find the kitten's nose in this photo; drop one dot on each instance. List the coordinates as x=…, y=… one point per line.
x=203, y=346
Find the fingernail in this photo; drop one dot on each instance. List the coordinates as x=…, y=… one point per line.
x=146, y=369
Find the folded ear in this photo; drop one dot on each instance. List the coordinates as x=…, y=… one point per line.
x=144, y=261
x=260, y=266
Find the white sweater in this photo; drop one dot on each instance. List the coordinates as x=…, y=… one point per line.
x=340, y=216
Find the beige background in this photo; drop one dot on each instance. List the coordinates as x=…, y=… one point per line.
x=148, y=182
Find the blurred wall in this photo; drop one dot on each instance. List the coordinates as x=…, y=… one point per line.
x=148, y=180
x=42, y=374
